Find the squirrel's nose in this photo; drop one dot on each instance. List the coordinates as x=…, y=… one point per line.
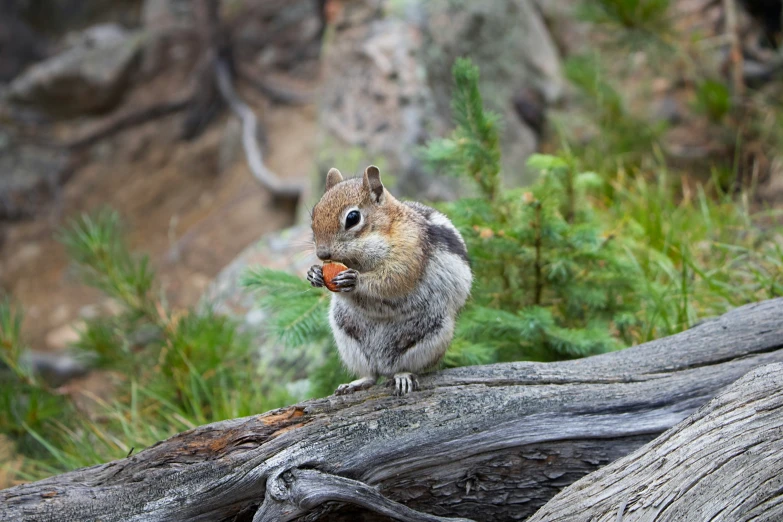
x=323, y=253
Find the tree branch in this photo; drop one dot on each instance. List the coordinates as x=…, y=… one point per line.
x=225, y=71
x=485, y=443
x=130, y=119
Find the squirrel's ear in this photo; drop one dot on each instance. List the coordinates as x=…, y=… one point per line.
x=372, y=183
x=333, y=178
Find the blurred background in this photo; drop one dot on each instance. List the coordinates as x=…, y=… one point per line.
x=199, y=132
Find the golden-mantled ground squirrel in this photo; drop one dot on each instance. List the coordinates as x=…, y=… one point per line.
x=408, y=276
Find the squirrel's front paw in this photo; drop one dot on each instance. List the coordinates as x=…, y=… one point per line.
x=316, y=276
x=346, y=280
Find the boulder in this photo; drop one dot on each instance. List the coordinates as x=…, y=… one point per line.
x=285, y=250
x=568, y=30
x=89, y=76
x=54, y=18
x=387, y=82
x=19, y=44
x=30, y=175
x=164, y=15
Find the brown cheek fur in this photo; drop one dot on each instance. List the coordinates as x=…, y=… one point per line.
x=326, y=213
x=406, y=262
x=401, y=270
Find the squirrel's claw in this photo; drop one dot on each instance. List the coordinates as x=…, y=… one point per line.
x=316, y=276
x=346, y=280
x=404, y=382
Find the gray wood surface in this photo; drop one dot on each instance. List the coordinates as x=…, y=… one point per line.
x=485, y=443
x=723, y=463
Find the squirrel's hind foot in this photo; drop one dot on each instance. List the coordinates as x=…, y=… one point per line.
x=403, y=383
x=354, y=386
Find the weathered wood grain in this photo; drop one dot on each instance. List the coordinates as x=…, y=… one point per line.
x=486, y=443
x=723, y=463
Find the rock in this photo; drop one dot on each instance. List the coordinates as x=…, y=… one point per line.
x=285, y=250
x=19, y=45
x=54, y=18
x=90, y=76
x=164, y=22
x=565, y=25
x=97, y=36
x=530, y=106
x=164, y=15
x=63, y=337
x=31, y=175
x=387, y=82
x=55, y=369
x=667, y=109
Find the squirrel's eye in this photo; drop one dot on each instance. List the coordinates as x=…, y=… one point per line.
x=352, y=219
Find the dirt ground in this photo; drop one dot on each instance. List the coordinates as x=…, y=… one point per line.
x=179, y=207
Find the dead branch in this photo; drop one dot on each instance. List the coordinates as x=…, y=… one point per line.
x=255, y=161
x=225, y=71
x=128, y=120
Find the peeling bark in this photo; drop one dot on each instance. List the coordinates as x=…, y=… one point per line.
x=485, y=443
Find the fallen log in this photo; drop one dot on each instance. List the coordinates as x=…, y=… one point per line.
x=490, y=442
x=723, y=463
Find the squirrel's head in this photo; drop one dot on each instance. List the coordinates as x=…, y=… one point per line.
x=352, y=222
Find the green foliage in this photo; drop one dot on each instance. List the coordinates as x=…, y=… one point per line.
x=698, y=246
x=713, y=99
x=175, y=369
x=474, y=147
x=27, y=406
x=10, y=338
x=658, y=63
x=622, y=138
x=643, y=17
x=700, y=255
x=298, y=311
x=549, y=282
x=298, y=320
x=103, y=260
